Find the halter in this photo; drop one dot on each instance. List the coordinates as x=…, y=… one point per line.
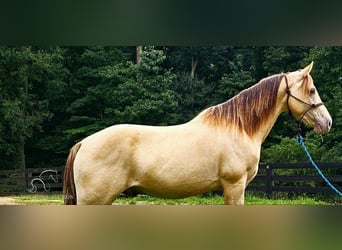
x=310, y=105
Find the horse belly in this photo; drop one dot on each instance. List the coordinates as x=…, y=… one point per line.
x=172, y=171
x=177, y=182
x=179, y=190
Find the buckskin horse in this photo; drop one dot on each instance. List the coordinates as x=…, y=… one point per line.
x=219, y=149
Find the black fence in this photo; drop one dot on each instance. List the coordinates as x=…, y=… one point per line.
x=296, y=178
x=31, y=180
x=271, y=178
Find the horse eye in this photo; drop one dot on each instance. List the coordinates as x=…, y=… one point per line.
x=312, y=91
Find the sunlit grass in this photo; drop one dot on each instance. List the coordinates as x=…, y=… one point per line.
x=39, y=199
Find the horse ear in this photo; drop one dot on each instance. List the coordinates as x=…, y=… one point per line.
x=304, y=72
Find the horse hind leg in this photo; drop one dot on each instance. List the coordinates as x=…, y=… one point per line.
x=97, y=196
x=100, y=193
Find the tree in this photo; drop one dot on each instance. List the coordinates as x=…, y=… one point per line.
x=208, y=63
x=191, y=95
x=93, y=73
x=235, y=81
x=144, y=95
x=283, y=59
x=25, y=74
x=139, y=51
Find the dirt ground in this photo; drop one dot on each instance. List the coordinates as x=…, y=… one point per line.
x=6, y=201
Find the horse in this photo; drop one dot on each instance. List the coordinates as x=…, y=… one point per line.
x=219, y=149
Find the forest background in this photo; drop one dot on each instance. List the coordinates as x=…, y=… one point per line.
x=52, y=97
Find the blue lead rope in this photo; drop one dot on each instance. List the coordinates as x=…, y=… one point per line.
x=301, y=142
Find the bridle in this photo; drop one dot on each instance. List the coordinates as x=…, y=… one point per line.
x=310, y=105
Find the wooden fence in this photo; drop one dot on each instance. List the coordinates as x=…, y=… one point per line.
x=271, y=178
x=296, y=178
x=31, y=180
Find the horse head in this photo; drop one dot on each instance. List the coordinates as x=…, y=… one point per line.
x=303, y=101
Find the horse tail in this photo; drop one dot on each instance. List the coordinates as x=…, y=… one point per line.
x=69, y=189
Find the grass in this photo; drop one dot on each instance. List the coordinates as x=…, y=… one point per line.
x=57, y=199
x=38, y=199
x=217, y=200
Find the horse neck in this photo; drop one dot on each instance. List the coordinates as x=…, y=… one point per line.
x=281, y=107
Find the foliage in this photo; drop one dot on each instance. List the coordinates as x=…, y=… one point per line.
x=26, y=76
x=235, y=81
x=145, y=96
x=190, y=94
x=289, y=150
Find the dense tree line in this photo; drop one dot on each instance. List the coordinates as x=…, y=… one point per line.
x=52, y=97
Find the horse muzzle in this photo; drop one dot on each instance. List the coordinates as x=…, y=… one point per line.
x=323, y=126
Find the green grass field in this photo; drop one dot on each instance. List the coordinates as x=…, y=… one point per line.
x=57, y=199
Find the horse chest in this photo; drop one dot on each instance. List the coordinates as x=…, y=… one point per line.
x=239, y=160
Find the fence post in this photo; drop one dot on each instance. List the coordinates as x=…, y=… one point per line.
x=269, y=181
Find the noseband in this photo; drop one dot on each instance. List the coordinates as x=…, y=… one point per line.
x=310, y=105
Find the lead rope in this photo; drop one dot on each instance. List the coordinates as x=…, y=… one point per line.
x=300, y=140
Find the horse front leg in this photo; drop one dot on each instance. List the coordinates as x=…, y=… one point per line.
x=234, y=191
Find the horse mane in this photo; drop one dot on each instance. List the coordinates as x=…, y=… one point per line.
x=248, y=110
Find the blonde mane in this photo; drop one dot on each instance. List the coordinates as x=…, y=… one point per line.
x=248, y=110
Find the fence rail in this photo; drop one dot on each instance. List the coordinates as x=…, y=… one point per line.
x=271, y=178
x=299, y=178
x=31, y=180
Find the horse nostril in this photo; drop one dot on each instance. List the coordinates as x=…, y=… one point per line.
x=329, y=123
